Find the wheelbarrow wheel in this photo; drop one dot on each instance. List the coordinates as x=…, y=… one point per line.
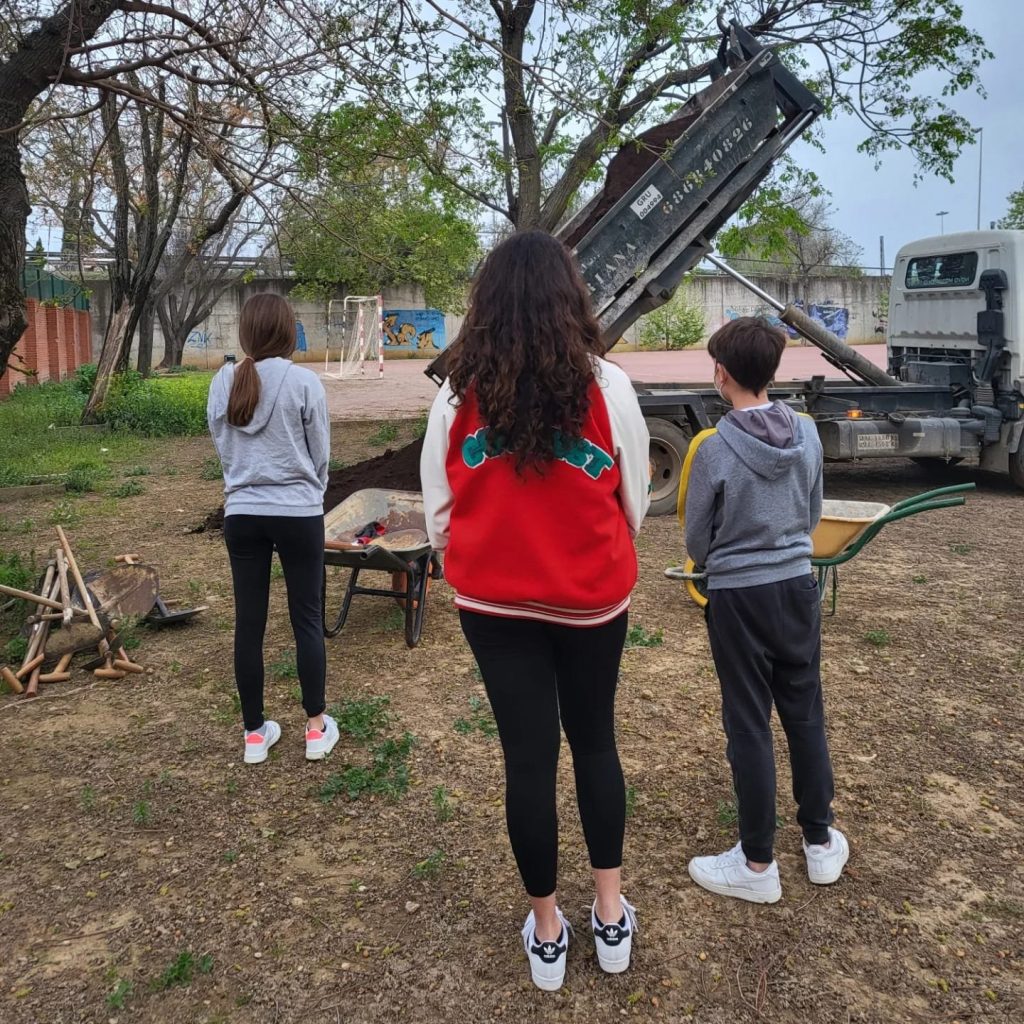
x=415, y=602
x=697, y=589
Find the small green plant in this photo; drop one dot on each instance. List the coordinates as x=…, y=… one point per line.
x=230, y=856
x=480, y=720
x=142, y=813
x=430, y=866
x=231, y=787
x=129, y=489
x=137, y=471
x=87, y=798
x=211, y=469
x=15, y=650
x=363, y=720
x=117, y=996
x=960, y=549
x=80, y=479
x=419, y=428
x=640, y=637
x=920, y=579
x=393, y=621
x=182, y=970
x=387, y=774
x=630, y=801
x=726, y=812
x=386, y=434
x=878, y=638
x=442, y=805
x=276, y=570
x=285, y=667
x=64, y=513
x=677, y=324
x=333, y=465
x=128, y=632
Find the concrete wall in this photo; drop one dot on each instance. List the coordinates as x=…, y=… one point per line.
x=720, y=296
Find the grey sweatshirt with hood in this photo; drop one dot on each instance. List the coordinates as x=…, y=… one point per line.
x=753, y=498
x=276, y=465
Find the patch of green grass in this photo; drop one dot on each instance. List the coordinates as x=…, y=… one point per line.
x=387, y=774
x=276, y=570
x=137, y=471
x=878, y=638
x=117, y=996
x=480, y=720
x=211, y=469
x=919, y=579
x=285, y=667
x=386, y=434
x=430, y=866
x=630, y=801
x=142, y=812
x=87, y=797
x=333, y=465
x=419, y=428
x=960, y=549
x=159, y=406
x=640, y=637
x=129, y=489
x=363, y=720
x=393, y=621
x=230, y=856
x=726, y=813
x=128, y=632
x=182, y=970
x=15, y=650
x=442, y=805
x=15, y=572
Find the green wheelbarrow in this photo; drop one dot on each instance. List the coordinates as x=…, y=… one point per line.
x=846, y=527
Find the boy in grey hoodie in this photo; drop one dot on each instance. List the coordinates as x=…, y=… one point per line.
x=751, y=499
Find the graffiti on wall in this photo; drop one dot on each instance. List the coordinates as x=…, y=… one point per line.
x=199, y=339
x=414, y=330
x=832, y=317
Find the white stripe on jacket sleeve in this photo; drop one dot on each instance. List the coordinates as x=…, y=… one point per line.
x=437, y=493
x=632, y=442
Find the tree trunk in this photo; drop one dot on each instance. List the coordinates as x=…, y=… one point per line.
x=122, y=321
x=145, y=359
x=34, y=65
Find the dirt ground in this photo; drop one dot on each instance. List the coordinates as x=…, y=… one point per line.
x=147, y=875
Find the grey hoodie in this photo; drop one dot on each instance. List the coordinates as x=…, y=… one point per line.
x=753, y=497
x=276, y=465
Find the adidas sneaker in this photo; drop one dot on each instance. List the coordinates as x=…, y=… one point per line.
x=547, y=959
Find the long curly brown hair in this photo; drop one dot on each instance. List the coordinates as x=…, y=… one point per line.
x=526, y=347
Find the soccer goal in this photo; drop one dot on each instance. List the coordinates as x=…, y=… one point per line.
x=355, y=338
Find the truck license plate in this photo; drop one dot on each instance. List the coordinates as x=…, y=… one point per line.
x=878, y=442
x=646, y=201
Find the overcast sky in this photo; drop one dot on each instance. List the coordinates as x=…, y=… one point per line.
x=868, y=203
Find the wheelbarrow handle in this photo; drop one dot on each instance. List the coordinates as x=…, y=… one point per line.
x=939, y=492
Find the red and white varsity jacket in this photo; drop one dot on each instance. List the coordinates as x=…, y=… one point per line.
x=556, y=546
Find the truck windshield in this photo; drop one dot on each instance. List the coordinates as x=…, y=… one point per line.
x=949, y=270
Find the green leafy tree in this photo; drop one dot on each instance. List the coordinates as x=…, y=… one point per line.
x=677, y=324
x=375, y=217
x=517, y=103
x=1014, y=219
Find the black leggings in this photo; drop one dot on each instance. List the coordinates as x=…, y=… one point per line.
x=535, y=672
x=300, y=546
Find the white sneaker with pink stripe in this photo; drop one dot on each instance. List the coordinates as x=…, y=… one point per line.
x=258, y=743
x=320, y=742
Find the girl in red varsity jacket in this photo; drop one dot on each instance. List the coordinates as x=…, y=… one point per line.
x=535, y=480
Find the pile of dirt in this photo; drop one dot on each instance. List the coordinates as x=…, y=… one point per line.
x=394, y=470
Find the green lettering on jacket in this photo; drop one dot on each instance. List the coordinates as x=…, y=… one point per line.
x=581, y=454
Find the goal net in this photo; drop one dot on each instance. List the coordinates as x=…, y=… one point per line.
x=355, y=338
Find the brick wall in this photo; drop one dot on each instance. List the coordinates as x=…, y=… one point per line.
x=56, y=342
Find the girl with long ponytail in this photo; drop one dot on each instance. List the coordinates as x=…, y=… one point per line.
x=269, y=422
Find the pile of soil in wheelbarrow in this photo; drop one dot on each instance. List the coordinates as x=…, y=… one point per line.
x=394, y=470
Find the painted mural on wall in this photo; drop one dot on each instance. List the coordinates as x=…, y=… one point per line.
x=832, y=317
x=414, y=330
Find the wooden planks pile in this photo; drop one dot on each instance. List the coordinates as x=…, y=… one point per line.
x=59, y=602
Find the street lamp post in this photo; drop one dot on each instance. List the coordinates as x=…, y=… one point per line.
x=942, y=221
x=980, y=132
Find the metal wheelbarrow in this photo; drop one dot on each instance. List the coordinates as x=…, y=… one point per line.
x=383, y=531
x=845, y=529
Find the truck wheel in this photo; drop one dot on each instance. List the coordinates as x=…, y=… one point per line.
x=1017, y=466
x=668, y=449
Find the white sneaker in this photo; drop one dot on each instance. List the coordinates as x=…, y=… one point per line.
x=825, y=863
x=728, y=875
x=319, y=743
x=547, y=959
x=614, y=942
x=258, y=744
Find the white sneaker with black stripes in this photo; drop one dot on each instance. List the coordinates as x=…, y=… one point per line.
x=547, y=959
x=614, y=942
